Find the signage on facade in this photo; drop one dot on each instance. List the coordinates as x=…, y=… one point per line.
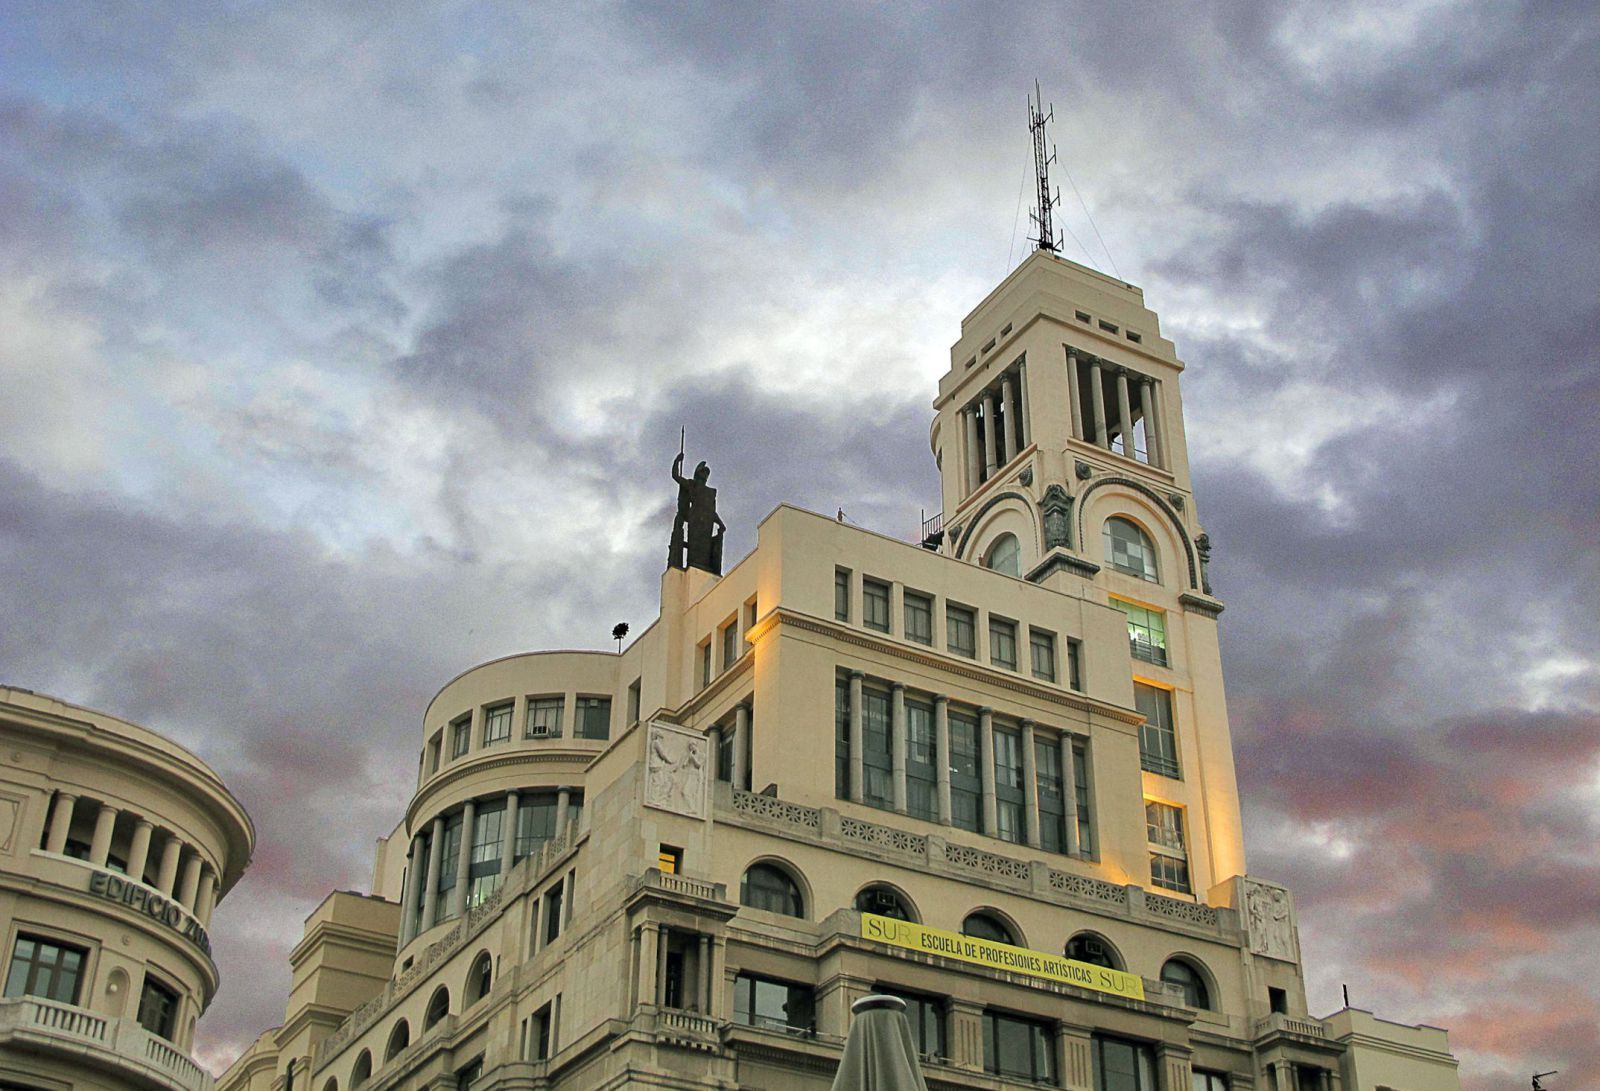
x=1000, y=956
x=141, y=899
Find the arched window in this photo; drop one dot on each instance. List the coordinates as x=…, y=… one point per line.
x=1130, y=550
x=885, y=901
x=1005, y=555
x=399, y=1038
x=987, y=926
x=479, y=978
x=1180, y=973
x=769, y=887
x=362, y=1071
x=438, y=1007
x=1093, y=949
x=332, y=1084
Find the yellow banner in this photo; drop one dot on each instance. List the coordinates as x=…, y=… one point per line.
x=1001, y=956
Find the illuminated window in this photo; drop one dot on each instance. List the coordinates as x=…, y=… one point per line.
x=1147, y=632
x=1130, y=550
x=669, y=861
x=1158, y=742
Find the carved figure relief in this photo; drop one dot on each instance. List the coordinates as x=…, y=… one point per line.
x=1269, y=918
x=1057, y=511
x=675, y=771
x=1202, y=546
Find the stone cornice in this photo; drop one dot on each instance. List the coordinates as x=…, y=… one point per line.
x=1059, y=561
x=578, y=759
x=1197, y=604
x=958, y=666
x=722, y=683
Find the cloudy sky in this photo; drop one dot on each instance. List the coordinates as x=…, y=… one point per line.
x=345, y=346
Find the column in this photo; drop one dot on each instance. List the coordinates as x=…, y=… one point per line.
x=897, y=743
x=1030, y=784
x=858, y=741
x=563, y=805
x=1008, y=392
x=1124, y=413
x=1002, y=452
x=991, y=822
x=167, y=877
x=1069, y=790
x=1024, y=431
x=741, y=746
x=1152, y=427
x=635, y=945
x=139, y=851
x=1075, y=1056
x=1283, y=1072
x=430, y=878
x=189, y=889
x=570, y=895
x=413, y=891
x=207, y=899
x=719, y=975
x=105, y=823
x=1097, y=400
x=941, y=760
x=714, y=744
x=60, y=822
x=974, y=459
x=508, y=835
x=661, y=965
x=458, y=896
x=1074, y=395
x=647, y=963
x=1161, y=415
x=989, y=437
x=702, y=987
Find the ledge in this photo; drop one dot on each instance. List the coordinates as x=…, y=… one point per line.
x=118, y=1044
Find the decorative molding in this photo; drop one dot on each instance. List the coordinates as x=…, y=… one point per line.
x=1026, y=476
x=1161, y=505
x=1205, y=607
x=675, y=771
x=1057, y=511
x=1083, y=470
x=977, y=517
x=1058, y=561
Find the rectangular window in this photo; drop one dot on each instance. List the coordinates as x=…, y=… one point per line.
x=878, y=755
x=1169, y=860
x=705, y=664
x=435, y=746
x=841, y=594
x=460, y=736
x=1213, y=1081
x=730, y=644
x=919, y=617
x=1052, y=795
x=1080, y=794
x=1147, y=632
x=544, y=717
x=552, y=914
x=1123, y=1066
x=1008, y=796
x=469, y=1074
x=449, y=858
x=926, y=1016
x=1042, y=651
x=46, y=969
x=1158, y=742
x=1018, y=1048
x=966, y=788
x=669, y=860
x=635, y=692
x=158, y=1008
x=922, y=790
x=961, y=630
x=539, y=1036
x=875, y=605
x=483, y=869
x=777, y=1005
x=536, y=822
x=841, y=737
x=594, y=717
x=725, y=753
x=1075, y=665
x=497, y=724
x=1003, y=643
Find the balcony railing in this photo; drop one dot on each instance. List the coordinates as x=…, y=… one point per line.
x=1147, y=650
x=114, y=1042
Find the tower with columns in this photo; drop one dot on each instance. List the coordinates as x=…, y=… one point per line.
x=987, y=769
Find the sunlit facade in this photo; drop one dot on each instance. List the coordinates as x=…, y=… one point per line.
x=987, y=768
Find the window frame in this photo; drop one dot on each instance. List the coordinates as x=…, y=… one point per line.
x=1147, y=631
x=583, y=706
x=1046, y=640
x=792, y=897
x=1158, y=737
x=918, y=605
x=747, y=989
x=1002, y=634
x=1144, y=542
x=500, y=712
x=960, y=619
x=870, y=599
x=172, y=1001
x=542, y=703
x=841, y=594
x=1041, y=1046
x=460, y=736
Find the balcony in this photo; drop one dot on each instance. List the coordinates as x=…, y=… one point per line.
x=121, y=1046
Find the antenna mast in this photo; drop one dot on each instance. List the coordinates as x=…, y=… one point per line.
x=1037, y=119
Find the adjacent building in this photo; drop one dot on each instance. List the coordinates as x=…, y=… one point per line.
x=115, y=846
x=987, y=769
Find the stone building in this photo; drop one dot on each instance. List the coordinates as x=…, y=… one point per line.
x=987, y=769
x=115, y=846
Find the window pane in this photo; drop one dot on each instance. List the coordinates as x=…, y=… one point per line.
x=497, y=724
x=1042, y=647
x=1158, y=743
x=919, y=618
x=1003, y=643
x=961, y=630
x=544, y=716
x=878, y=757
x=841, y=594
x=1128, y=549
x=594, y=717
x=875, y=605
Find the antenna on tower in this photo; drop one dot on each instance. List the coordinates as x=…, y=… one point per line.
x=1046, y=239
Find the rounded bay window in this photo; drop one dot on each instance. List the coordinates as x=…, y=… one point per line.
x=768, y=886
x=1129, y=549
